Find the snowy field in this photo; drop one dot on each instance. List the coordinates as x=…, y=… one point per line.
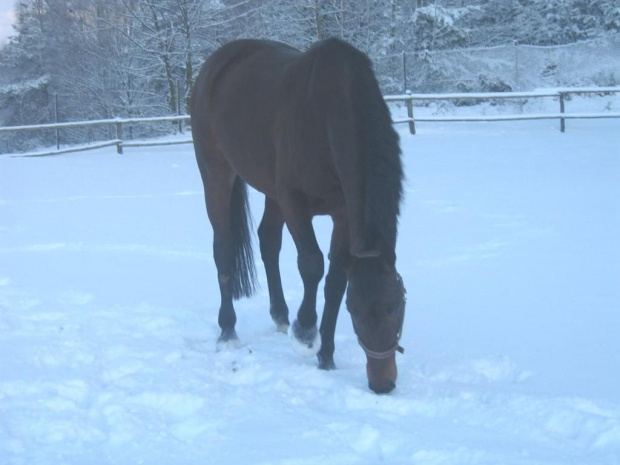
x=508, y=248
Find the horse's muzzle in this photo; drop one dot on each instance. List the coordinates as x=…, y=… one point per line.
x=382, y=374
x=385, y=389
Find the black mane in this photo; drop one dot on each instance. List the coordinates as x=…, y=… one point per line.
x=382, y=155
x=377, y=140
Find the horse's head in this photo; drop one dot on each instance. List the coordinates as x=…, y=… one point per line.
x=376, y=300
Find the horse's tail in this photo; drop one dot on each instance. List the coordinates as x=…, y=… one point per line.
x=243, y=269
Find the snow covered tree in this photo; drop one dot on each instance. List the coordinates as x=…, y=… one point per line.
x=107, y=58
x=24, y=63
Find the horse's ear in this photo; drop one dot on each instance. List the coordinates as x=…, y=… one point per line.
x=388, y=267
x=363, y=244
x=349, y=263
x=365, y=247
x=366, y=243
x=367, y=253
x=389, y=262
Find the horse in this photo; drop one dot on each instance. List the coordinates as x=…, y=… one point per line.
x=311, y=131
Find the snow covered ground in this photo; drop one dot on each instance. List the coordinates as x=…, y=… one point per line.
x=508, y=248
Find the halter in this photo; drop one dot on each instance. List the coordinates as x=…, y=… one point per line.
x=381, y=355
x=397, y=347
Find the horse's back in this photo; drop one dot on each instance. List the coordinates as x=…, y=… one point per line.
x=234, y=106
x=257, y=56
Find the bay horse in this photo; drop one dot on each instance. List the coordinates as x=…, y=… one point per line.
x=312, y=132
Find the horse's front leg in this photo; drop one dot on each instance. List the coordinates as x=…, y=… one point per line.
x=335, y=286
x=270, y=236
x=304, y=332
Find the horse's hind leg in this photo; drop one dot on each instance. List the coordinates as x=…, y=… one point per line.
x=225, y=196
x=270, y=236
x=218, y=198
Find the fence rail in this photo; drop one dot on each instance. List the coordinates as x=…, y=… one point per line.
x=407, y=98
x=560, y=94
x=118, y=142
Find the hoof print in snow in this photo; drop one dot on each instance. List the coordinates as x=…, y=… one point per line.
x=306, y=341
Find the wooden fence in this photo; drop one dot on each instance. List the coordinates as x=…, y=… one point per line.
x=408, y=99
x=560, y=94
x=118, y=142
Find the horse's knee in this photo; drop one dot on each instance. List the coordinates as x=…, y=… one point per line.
x=311, y=266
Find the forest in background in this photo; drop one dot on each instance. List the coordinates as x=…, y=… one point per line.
x=126, y=58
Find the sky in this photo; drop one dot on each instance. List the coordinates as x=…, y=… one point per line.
x=6, y=19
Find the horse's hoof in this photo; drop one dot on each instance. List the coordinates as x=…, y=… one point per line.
x=282, y=328
x=306, y=342
x=326, y=362
x=228, y=340
x=280, y=318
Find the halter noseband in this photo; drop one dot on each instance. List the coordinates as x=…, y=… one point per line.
x=380, y=355
x=397, y=347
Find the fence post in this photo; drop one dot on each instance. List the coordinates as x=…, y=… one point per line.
x=179, y=105
x=404, y=71
x=56, y=121
x=562, y=120
x=409, y=103
x=119, y=138
x=517, y=78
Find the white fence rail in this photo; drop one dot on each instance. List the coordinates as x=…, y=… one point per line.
x=408, y=99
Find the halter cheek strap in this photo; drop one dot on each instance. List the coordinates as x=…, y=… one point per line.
x=397, y=348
